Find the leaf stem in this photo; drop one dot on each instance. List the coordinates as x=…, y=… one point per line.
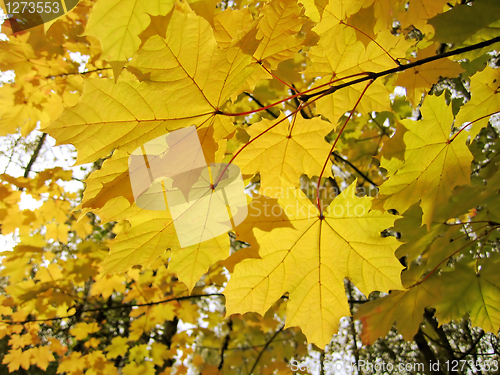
x=264, y=132
x=456, y=252
x=297, y=95
x=470, y=123
x=335, y=143
x=374, y=41
x=280, y=80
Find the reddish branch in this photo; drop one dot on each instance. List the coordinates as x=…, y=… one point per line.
x=335, y=143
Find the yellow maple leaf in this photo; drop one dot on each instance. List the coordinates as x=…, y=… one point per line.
x=108, y=284
x=129, y=113
x=72, y=364
x=113, y=178
x=159, y=353
x=231, y=23
x=17, y=358
x=17, y=54
x=340, y=54
x=286, y=152
x=138, y=353
x=82, y=330
x=277, y=31
x=117, y=24
x=419, y=79
x=310, y=261
x=57, y=232
x=151, y=235
x=41, y=356
x=118, y=347
x=146, y=368
x=433, y=165
x=484, y=87
x=18, y=341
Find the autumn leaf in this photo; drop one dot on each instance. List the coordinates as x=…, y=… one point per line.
x=283, y=151
x=277, y=30
x=310, y=261
x=105, y=105
x=462, y=22
x=471, y=288
x=433, y=164
x=485, y=100
x=117, y=25
x=405, y=308
x=17, y=358
x=418, y=80
x=150, y=236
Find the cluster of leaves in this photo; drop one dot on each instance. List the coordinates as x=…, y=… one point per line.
x=347, y=175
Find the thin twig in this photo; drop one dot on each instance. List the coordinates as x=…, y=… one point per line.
x=265, y=348
x=122, y=306
x=260, y=104
x=337, y=156
x=39, y=145
x=227, y=339
x=75, y=73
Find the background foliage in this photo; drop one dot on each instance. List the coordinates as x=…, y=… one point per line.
x=388, y=107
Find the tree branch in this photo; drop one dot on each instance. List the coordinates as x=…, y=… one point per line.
x=39, y=145
x=428, y=354
x=260, y=104
x=265, y=348
x=123, y=306
x=337, y=156
x=374, y=76
x=75, y=73
x=226, y=343
x=472, y=347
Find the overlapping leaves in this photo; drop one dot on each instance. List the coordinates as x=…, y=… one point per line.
x=186, y=64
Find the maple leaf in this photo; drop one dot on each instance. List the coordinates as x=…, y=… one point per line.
x=117, y=25
x=17, y=358
x=419, y=11
x=310, y=261
x=82, y=330
x=168, y=65
x=433, y=164
x=472, y=287
x=150, y=236
x=276, y=31
x=284, y=152
x=418, y=80
x=403, y=307
x=462, y=21
x=41, y=357
x=485, y=100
